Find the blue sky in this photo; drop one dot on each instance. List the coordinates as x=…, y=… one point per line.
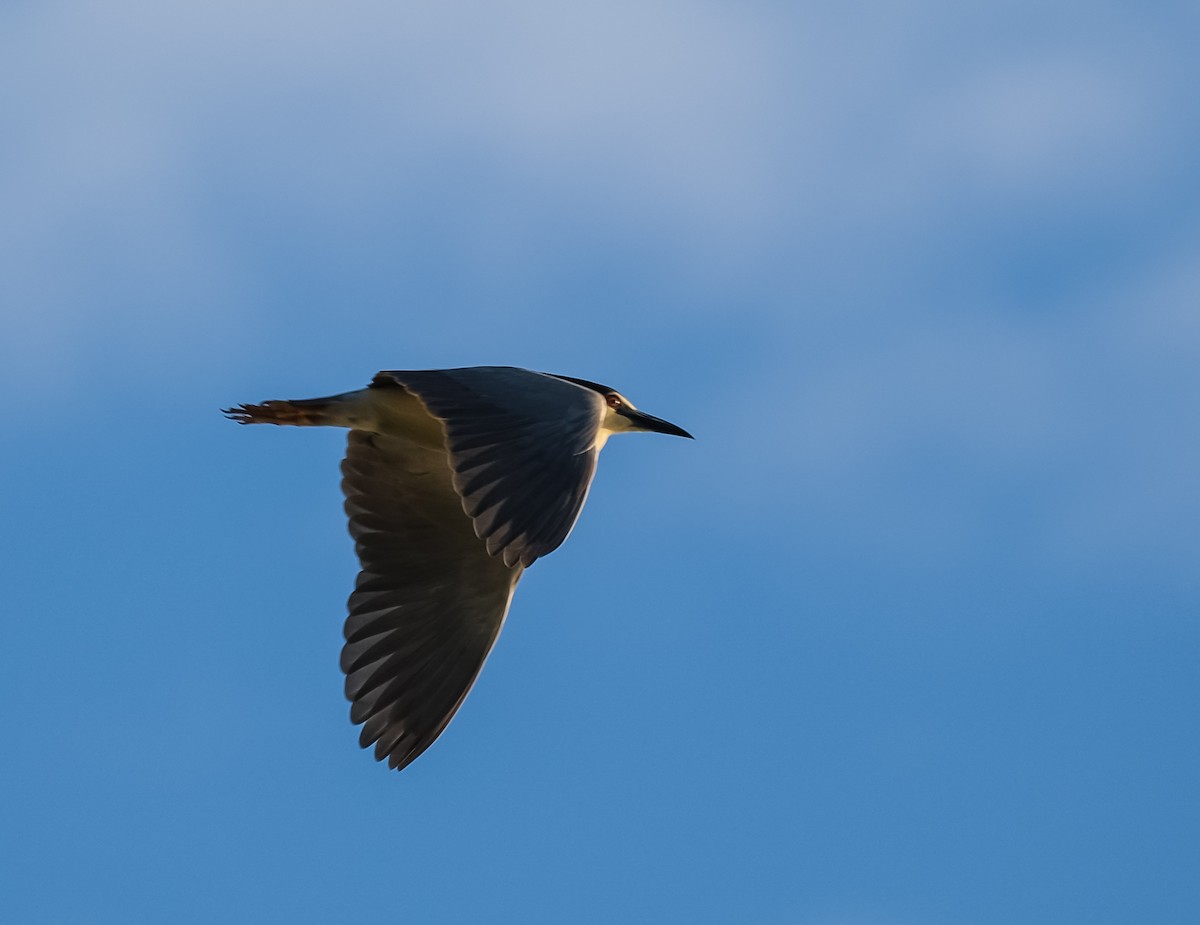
x=908, y=636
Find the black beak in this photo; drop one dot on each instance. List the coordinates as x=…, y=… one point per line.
x=644, y=421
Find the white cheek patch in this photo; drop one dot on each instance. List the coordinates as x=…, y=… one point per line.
x=613, y=423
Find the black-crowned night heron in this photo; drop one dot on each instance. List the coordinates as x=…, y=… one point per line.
x=456, y=481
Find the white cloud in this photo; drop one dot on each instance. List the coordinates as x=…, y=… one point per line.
x=135, y=121
x=1052, y=127
x=741, y=147
x=1076, y=430
x=1135, y=497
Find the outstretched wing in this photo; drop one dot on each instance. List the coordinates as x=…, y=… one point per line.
x=429, y=601
x=522, y=447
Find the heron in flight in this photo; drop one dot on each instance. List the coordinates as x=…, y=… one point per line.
x=456, y=481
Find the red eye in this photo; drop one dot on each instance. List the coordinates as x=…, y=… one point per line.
x=614, y=401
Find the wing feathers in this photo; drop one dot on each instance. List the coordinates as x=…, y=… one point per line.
x=522, y=448
x=443, y=534
x=457, y=481
x=428, y=603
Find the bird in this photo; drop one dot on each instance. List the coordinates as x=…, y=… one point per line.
x=455, y=482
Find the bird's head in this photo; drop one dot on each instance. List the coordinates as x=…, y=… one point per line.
x=622, y=416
